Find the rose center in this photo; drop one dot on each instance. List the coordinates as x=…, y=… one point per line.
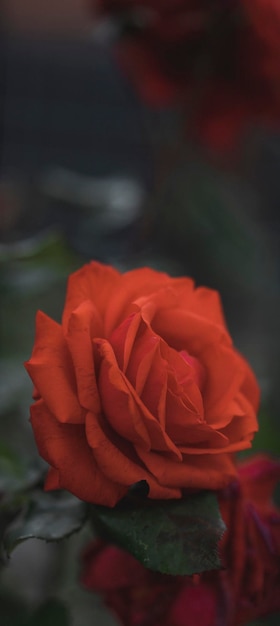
x=199, y=373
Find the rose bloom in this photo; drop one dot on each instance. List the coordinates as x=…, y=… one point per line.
x=246, y=589
x=218, y=60
x=139, y=382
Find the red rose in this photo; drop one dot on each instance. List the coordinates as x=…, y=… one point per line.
x=245, y=590
x=251, y=545
x=140, y=382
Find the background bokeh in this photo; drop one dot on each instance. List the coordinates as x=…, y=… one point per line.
x=88, y=170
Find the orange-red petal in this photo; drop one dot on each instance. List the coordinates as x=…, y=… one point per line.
x=52, y=372
x=94, y=282
x=65, y=448
x=82, y=326
x=194, y=472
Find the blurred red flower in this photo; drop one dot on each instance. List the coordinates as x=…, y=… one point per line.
x=219, y=60
x=246, y=589
x=251, y=545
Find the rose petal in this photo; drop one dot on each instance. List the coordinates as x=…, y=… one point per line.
x=163, y=298
x=123, y=338
x=52, y=481
x=117, y=403
x=52, y=372
x=84, y=324
x=194, y=472
x=143, y=364
x=182, y=378
x=151, y=383
x=187, y=429
x=207, y=303
x=184, y=330
x=225, y=371
x=116, y=457
x=198, y=370
x=134, y=284
x=242, y=426
x=250, y=387
x=111, y=382
x=65, y=448
x=223, y=380
x=93, y=282
x=228, y=448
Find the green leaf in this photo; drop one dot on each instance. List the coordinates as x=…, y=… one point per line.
x=178, y=537
x=48, y=516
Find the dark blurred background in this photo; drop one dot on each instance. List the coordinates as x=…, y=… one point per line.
x=89, y=171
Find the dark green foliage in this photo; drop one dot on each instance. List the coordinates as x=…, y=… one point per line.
x=178, y=537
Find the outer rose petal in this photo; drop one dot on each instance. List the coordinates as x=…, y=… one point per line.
x=94, y=282
x=52, y=372
x=225, y=373
x=207, y=303
x=111, y=292
x=250, y=387
x=83, y=324
x=243, y=424
x=66, y=449
x=251, y=545
x=52, y=481
x=134, y=284
x=184, y=330
x=194, y=472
